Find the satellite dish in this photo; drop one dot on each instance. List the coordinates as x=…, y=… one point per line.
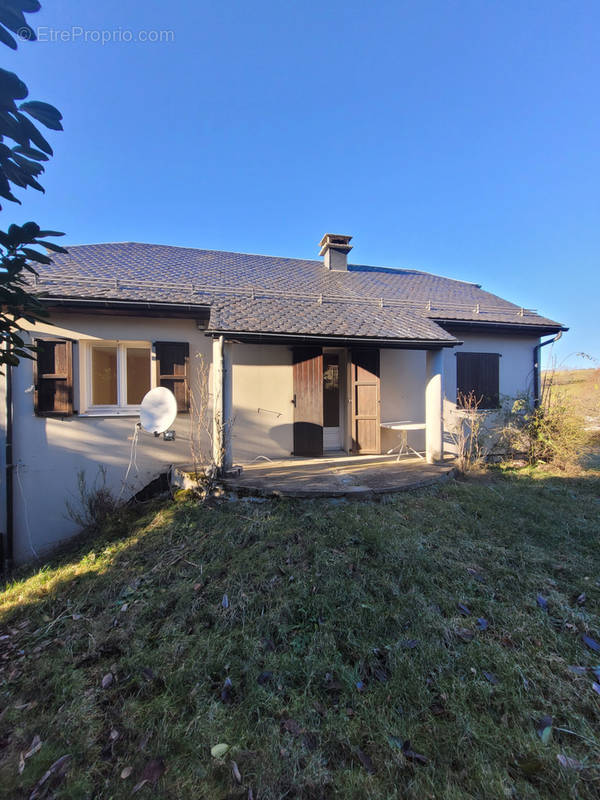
x=158, y=410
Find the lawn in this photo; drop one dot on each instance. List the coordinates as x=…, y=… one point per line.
x=430, y=645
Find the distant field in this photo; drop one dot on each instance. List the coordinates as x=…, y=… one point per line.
x=582, y=388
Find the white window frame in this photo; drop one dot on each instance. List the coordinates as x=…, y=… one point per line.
x=121, y=409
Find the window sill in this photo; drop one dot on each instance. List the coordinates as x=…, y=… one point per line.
x=110, y=412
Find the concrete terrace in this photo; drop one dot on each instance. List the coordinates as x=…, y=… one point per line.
x=337, y=476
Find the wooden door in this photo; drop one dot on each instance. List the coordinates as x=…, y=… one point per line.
x=308, y=401
x=365, y=401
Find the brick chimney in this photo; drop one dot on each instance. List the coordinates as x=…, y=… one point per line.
x=335, y=249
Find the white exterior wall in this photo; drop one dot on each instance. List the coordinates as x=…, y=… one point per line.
x=516, y=371
x=263, y=391
x=51, y=452
x=403, y=379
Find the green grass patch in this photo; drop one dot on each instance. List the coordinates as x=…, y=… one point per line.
x=340, y=639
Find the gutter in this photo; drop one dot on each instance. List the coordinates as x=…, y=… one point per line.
x=171, y=309
x=292, y=338
x=537, y=387
x=506, y=327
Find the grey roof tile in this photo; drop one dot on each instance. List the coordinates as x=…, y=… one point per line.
x=265, y=294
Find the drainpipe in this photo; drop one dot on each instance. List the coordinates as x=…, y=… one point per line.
x=7, y=549
x=537, y=372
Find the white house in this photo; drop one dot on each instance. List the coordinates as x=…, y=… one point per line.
x=295, y=357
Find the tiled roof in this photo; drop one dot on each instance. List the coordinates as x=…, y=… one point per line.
x=266, y=294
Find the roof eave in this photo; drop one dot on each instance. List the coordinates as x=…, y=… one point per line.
x=259, y=337
x=541, y=329
x=128, y=307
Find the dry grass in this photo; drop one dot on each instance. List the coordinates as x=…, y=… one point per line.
x=342, y=637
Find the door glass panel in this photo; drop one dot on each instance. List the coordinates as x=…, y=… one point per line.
x=104, y=375
x=331, y=390
x=138, y=374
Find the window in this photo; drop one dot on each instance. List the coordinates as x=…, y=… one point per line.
x=479, y=373
x=119, y=375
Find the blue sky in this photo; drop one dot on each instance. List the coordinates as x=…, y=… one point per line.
x=456, y=137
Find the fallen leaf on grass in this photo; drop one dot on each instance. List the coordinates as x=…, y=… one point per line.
x=409, y=644
x=152, y=773
x=489, y=676
x=476, y=575
x=544, y=729
x=596, y=687
x=569, y=763
x=225, y=601
x=591, y=643
x=542, y=602
x=34, y=747
x=365, y=761
x=57, y=770
x=466, y=612
x=107, y=680
x=411, y=755
x=381, y=675
x=227, y=692
x=21, y=766
x=578, y=670
x=482, y=623
x=219, y=750
x=237, y=775
x=126, y=772
x=581, y=599
x=465, y=634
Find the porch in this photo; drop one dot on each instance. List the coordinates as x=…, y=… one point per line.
x=337, y=475
x=312, y=402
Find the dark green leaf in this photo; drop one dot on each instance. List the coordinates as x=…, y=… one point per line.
x=33, y=134
x=11, y=86
x=44, y=113
x=33, y=255
x=7, y=39
x=30, y=152
x=56, y=248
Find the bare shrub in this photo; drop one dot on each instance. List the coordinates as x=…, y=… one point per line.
x=552, y=433
x=471, y=435
x=202, y=428
x=93, y=505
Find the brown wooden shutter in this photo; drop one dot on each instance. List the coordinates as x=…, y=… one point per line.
x=366, y=405
x=172, y=363
x=53, y=378
x=308, y=401
x=479, y=373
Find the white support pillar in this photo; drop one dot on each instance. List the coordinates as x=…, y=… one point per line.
x=434, y=406
x=222, y=404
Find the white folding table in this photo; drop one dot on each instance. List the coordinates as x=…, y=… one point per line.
x=403, y=427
